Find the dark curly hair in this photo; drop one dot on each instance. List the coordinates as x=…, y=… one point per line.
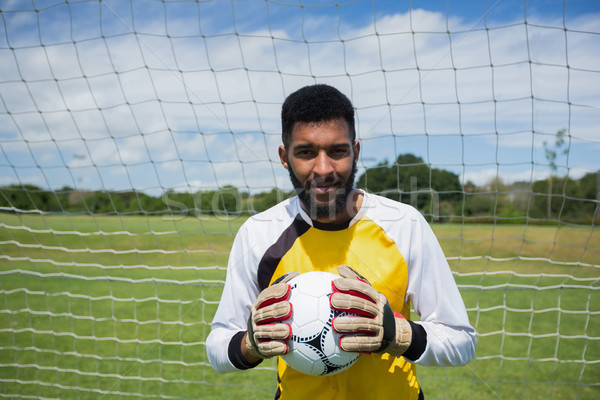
x=315, y=103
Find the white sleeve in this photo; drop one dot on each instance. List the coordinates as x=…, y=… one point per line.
x=451, y=339
x=239, y=293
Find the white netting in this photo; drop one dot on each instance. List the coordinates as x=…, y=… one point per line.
x=137, y=136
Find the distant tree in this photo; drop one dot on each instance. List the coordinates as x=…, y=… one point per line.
x=179, y=203
x=152, y=204
x=263, y=201
x=427, y=187
x=31, y=197
x=582, y=202
x=227, y=200
x=588, y=188
x=551, y=152
x=15, y=196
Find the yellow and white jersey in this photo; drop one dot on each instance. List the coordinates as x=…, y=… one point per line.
x=387, y=242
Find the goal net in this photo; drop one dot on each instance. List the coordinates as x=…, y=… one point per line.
x=136, y=137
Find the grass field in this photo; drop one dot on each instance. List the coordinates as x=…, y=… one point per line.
x=125, y=314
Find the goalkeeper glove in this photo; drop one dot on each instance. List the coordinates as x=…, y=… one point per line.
x=376, y=328
x=267, y=336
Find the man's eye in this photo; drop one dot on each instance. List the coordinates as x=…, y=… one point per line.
x=338, y=152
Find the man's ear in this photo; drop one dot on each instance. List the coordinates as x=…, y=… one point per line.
x=356, y=147
x=283, y=157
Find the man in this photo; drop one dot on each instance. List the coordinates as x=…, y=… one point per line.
x=385, y=252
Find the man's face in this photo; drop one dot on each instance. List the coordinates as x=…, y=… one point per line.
x=321, y=160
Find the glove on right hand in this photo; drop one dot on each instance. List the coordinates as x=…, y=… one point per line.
x=267, y=336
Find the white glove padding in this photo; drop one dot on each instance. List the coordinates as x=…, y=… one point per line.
x=376, y=328
x=267, y=336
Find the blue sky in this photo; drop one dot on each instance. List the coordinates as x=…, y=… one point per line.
x=183, y=95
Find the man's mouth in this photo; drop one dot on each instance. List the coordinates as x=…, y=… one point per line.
x=326, y=188
x=322, y=188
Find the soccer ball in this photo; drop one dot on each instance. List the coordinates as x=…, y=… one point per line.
x=314, y=348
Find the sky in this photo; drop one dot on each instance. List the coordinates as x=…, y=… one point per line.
x=186, y=96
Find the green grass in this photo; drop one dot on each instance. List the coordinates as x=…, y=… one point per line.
x=131, y=322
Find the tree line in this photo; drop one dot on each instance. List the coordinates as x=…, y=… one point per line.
x=440, y=195
x=437, y=193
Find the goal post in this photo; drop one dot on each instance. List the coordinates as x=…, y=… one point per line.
x=136, y=138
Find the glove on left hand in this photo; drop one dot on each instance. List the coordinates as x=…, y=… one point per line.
x=377, y=328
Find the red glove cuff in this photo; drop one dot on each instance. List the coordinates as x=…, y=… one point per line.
x=398, y=315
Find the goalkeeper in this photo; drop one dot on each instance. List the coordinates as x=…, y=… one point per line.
x=385, y=252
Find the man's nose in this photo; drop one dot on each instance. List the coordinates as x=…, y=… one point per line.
x=323, y=164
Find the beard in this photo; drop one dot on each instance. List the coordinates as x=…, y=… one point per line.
x=338, y=198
